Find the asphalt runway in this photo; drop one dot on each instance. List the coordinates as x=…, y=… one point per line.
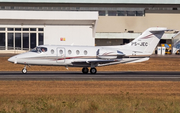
x=100, y=76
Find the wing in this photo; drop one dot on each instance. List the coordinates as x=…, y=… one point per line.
x=95, y=62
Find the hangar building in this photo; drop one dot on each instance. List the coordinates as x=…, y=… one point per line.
x=26, y=24
x=24, y=30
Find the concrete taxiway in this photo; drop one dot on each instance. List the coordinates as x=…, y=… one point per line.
x=101, y=76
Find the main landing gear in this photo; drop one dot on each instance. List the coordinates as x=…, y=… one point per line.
x=85, y=70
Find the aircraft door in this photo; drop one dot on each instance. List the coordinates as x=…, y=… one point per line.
x=61, y=55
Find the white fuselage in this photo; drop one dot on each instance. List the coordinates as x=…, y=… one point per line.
x=78, y=56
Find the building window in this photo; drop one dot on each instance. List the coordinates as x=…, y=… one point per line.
x=40, y=29
x=112, y=13
x=2, y=41
x=41, y=38
x=18, y=41
x=121, y=13
x=10, y=41
x=25, y=29
x=131, y=13
x=10, y=29
x=174, y=8
x=102, y=13
x=32, y=29
x=33, y=40
x=139, y=13
x=26, y=41
x=17, y=29
x=2, y=29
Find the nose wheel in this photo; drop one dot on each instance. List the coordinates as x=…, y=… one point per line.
x=24, y=70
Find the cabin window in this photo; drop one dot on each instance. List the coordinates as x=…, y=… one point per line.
x=77, y=52
x=85, y=52
x=69, y=52
x=61, y=51
x=52, y=51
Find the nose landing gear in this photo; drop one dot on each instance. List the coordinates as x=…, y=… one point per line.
x=85, y=70
x=24, y=70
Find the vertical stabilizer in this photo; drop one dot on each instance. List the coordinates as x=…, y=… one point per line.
x=147, y=41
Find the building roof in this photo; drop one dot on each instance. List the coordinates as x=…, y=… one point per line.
x=98, y=1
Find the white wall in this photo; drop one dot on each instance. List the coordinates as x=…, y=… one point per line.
x=74, y=34
x=49, y=15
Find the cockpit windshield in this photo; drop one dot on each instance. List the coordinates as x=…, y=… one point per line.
x=39, y=49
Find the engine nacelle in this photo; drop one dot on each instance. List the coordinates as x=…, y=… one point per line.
x=108, y=53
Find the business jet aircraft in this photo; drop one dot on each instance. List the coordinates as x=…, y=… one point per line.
x=138, y=50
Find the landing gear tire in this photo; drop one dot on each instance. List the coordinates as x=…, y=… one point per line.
x=24, y=70
x=85, y=70
x=93, y=70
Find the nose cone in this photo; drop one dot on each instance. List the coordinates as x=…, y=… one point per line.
x=13, y=59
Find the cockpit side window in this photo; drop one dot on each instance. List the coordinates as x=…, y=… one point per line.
x=33, y=50
x=43, y=49
x=39, y=49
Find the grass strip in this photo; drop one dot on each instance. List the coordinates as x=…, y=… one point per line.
x=90, y=96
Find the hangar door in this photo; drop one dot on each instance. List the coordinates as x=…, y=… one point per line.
x=72, y=35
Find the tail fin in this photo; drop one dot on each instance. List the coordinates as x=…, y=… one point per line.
x=147, y=42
